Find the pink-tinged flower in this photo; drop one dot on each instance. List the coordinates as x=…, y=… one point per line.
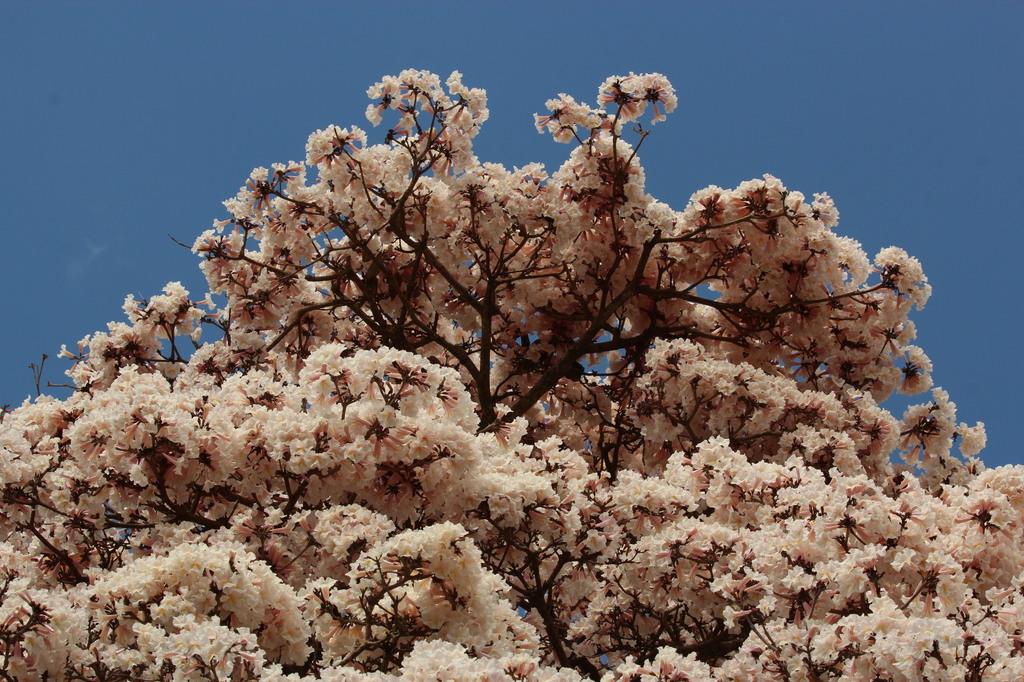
x=617, y=90
x=333, y=144
x=261, y=192
x=387, y=93
x=658, y=91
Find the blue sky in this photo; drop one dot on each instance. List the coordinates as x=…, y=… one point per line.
x=126, y=122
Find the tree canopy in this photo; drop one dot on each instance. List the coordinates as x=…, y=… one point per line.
x=455, y=421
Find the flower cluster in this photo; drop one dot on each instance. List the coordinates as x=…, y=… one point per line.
x=454, y=421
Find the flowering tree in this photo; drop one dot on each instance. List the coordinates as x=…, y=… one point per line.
x=465, y=422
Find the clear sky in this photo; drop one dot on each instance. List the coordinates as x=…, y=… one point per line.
x=125, y=122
